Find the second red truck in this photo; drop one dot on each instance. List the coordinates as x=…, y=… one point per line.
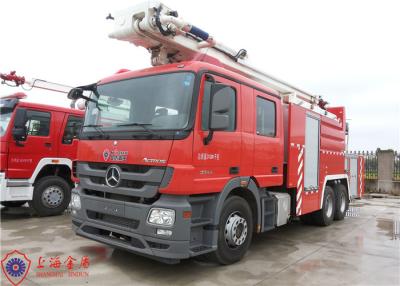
x=38, y=144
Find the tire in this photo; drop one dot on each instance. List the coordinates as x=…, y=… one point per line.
x=235, y=231
x=51, y=196
x=342, y=201
x=324, y=216
x=13, y=204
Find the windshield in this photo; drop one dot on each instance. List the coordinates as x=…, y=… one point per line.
x=147, y=104
x=4, y=120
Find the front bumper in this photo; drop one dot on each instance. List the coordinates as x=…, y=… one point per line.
x=124, y=225
x=15, y=190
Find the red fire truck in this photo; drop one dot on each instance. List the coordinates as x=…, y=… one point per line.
x=196, y=154
x=38, y=144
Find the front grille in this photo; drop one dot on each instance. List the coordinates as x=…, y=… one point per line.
x=122, y=198
x=124, y=183
x=125, y=167
x=138, y=183
x=120, y=221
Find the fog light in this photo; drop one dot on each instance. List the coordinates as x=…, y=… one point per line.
x=164, y=232
x=165, y=217
x=76, y=202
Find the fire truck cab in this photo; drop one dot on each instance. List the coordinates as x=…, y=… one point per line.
x=38, y=144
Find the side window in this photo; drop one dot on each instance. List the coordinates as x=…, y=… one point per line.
x=266, y=117
x=72, y=129
x=206, y=107
x=38, y=123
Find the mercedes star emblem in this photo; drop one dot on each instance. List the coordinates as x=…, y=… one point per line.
x=113, y=176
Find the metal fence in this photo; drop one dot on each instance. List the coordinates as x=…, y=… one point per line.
x=371, y=164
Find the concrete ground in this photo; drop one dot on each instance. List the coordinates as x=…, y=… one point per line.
x=364, y=249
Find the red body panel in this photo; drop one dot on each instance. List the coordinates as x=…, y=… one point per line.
x=331, y=154
x=92, y=150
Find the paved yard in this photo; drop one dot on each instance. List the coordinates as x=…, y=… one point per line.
x=364, y=249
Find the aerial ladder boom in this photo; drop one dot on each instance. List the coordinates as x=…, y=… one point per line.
x=170, y=39
x=14, y=80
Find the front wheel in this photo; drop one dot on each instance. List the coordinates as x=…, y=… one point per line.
x=13, y=204
x=235, y=231
x=51, y=196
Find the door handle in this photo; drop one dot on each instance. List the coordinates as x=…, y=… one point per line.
x=47, y=144
x=274, y=170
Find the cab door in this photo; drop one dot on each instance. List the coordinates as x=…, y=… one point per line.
x=69, y=136
x=25, y=155
x=218, y=160
x=268, y=141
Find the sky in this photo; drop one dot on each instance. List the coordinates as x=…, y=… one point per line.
x=346, y=51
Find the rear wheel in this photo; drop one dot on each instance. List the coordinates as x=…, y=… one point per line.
x=342, y=201
x=325, y=215
x=235, y=231
x=51, y=196
x=13, y=204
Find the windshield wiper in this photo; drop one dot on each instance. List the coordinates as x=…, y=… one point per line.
x=143, y=125
x=97, y=127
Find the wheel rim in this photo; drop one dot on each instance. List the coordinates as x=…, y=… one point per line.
x=235, y=230
x=342, y=202
x=329, y=206
x=52, y=196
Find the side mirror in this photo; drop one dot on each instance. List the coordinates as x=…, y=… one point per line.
x=220, y=109
x=221, y=97
x=19, y=131
x=75, y=93
x=19, y=134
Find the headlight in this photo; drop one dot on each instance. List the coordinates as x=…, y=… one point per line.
x=76, y=201
x=165, y=217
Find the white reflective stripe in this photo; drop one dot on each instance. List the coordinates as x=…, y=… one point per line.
x=300, y=166
x=333, y=177
x=299, y=192
x=300, y=154
x=49, y=161
x=299, y=181
x=300, y=171
x=299, y=205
